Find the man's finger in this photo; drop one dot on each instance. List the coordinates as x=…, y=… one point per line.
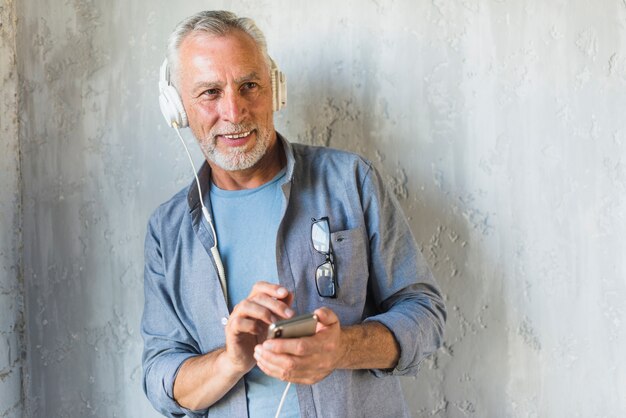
x=303, y=346
x=242, y=325
x=273, y=290
x=275, y=306
x=253, y=310
x=281, y=366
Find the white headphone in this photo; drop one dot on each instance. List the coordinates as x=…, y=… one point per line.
x=172, y=105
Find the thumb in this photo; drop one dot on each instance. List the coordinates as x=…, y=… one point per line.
x=326, y=317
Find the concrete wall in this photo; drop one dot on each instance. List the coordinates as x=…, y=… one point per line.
x=11, y=290
x=499, y=124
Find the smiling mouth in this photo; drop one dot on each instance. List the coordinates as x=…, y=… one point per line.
x=237, y=136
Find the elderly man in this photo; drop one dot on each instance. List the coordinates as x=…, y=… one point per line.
x=205, y=322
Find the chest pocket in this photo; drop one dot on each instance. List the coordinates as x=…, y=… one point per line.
x=351, y=266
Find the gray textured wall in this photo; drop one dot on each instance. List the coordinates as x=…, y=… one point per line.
x=11, y=289
x=498, y=123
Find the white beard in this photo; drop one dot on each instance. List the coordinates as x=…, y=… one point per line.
x=235, y=159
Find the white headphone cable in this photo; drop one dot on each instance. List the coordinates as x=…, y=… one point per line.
x=214, y=251
x=282, y=400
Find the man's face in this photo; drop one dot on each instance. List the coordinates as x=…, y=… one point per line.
x=226, y=89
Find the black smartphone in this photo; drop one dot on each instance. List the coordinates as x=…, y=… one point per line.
x=298, y=326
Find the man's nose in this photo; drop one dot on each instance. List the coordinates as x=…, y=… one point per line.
x=232, y=107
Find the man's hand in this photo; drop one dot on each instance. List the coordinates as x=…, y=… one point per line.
x=248, y=323
x=304, y=360
x=203, y=380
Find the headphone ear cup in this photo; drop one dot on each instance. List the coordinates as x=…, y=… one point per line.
x=172, y=107
x=279, y=87
x=282, y=89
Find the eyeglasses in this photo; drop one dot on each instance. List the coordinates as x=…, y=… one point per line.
x=325, y=272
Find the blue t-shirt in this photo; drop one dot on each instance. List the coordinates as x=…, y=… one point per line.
x=246, y=223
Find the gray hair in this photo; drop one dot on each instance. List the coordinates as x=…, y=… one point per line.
x=212, y=22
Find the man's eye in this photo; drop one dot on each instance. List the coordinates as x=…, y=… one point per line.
x=250, y=85
x=211, y=92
